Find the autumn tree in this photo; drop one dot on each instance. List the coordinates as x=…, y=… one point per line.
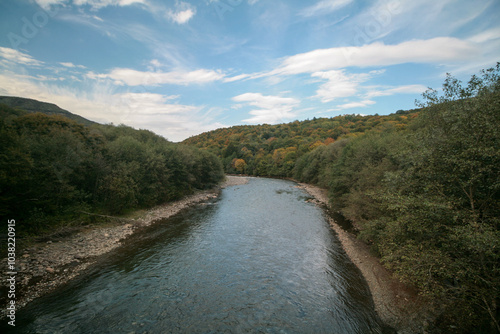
x=239, y=165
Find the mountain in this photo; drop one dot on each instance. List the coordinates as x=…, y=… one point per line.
x=33, y=106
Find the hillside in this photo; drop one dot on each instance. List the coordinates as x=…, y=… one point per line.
x=272, y=150
x=54, y=171
x=33, y=106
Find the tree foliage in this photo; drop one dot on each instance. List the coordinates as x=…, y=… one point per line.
x=273, y=150
x=52, y=169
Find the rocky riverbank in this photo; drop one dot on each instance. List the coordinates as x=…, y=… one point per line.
x=398, y=305
x=46, y=265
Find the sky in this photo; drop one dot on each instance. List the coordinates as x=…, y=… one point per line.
x=180, y=68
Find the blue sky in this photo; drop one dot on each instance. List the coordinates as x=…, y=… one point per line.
x=180, y=68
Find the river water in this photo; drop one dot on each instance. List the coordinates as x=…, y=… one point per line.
x=259, y=259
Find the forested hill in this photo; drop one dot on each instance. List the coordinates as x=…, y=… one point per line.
x=272, y=150
x=54, y=171
x=23, y=105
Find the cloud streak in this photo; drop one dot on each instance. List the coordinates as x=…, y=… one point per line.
x=435, y=50
x=131, y=77
x=406, y=89
x=324, y=7
x=94, y=4
x=350, y=105
x=12, y=56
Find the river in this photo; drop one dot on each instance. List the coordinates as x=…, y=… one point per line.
x=258, y=259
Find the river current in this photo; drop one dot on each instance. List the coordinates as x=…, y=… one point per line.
x=258, y=259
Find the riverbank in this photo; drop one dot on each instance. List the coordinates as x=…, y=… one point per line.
x=399, y=306
x=46, y=265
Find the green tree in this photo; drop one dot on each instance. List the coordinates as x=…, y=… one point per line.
x=52, y=170
x=441, y=227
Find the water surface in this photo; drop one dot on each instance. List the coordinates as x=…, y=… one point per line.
x=259, y=259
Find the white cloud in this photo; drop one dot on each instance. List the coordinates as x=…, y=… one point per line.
x=155, y=63
x=237, y=77
x=339, y=84
x=408, y=89
x=132, y=77
x=150, y=103
x=71, y=65
x=424, y=17
x=12, y=56
x=94, y=4
x=436, y=50
x=342, y=85
x=46, y=4
x=271, y=109
x=324, y=7
x=38, y=77
x=181, y=17
x=486, y=36
x=360, y=104
x=184, y=12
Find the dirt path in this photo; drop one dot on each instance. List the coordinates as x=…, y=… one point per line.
x=398, y=305
x=45, y=266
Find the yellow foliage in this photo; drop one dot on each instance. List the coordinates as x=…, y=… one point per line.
x=239, y=165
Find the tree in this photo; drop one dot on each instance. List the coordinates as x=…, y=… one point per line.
x=52, y=169
x=239, y=165
x=440, y=230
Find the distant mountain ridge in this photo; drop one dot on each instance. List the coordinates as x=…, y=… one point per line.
x=33, y=106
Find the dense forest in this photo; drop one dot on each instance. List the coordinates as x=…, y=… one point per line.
x=53, y=170
x=422, y=188
x=272, y=150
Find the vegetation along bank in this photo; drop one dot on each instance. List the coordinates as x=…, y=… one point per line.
x=422, y=187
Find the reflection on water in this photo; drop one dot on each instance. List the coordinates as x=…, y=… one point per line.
x=259, y=259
